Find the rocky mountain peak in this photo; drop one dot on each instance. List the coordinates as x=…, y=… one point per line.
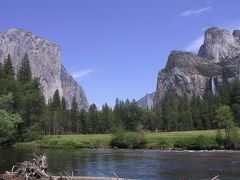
x=220, y=44
x=189, y=74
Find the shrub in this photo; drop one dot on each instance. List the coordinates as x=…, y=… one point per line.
x=131, y=140
x=164, y=144
x=33, y=133
x=8, y=127
x=235, y=136
x=197, y=143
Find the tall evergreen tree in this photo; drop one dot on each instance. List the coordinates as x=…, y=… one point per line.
x=55, y=108
x=74, y=116
x=85, y=128
x=8, y=71
x=106, y=119
x=1, y=71
x=93, y=118
x=56, y=102
x=24, y=74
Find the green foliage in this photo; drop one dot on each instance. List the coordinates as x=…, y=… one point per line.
x=24, y=74
x=74, y=116
x=35, y=132
x=209, y=70
x=131, y=140
x=225, y=120
x=8, y=71
x=235, y=137
x=8, y=127
x=197, y=143
x=93, y=119
x=224, y=117
x=6, y=102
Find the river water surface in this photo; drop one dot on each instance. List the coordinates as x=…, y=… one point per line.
x=135, y=164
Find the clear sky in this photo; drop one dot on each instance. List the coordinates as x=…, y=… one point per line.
x=115, y=48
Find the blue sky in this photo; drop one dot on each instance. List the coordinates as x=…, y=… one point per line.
x=115, y=48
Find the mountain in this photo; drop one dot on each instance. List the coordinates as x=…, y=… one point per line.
x=147, y=101
x=45, y=62
x=217, y=63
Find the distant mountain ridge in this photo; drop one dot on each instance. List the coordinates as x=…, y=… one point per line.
x=45, y=62
x=146, y=102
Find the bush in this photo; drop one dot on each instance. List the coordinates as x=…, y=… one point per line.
x=131, y=140
x=235, y=136
x=33, y=133
x=8, y=127
x=163, y=143
x=197, y=143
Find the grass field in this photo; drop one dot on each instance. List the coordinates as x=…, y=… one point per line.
x=159, y=140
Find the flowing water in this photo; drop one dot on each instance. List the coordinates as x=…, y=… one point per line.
x=136, y=164
x=213, y=86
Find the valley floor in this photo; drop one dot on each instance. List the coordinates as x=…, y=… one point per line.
x=158, y=140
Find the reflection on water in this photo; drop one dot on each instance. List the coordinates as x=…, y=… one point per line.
x=137, y=164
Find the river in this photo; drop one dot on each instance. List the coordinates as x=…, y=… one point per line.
x=135, y=164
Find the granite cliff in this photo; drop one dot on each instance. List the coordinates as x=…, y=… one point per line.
x=217, y=63
x=45, y=62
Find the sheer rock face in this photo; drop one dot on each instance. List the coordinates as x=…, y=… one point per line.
x=217, y=62
x=147, y=101
x=181, y=75
x=71, y=88
x=45, y=63
x=220, y=44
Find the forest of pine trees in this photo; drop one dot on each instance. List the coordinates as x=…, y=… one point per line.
x=24, y=115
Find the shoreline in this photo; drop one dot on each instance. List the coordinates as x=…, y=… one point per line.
x=124, y=150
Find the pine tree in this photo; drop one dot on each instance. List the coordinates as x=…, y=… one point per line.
x=85, y=128
x=235, y=100
x=74, y=116
x=93, y=118
x=186, y=119
x=106, y=118
x=31, y=106
x=64, y=117
x=55, y=109
x=225, y=120
x=1, y=71
x=56, y=102
x=8, y=71
x=24, y=74
x=63, y=104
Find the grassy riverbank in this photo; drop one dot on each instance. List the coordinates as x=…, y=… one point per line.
x=160, y=140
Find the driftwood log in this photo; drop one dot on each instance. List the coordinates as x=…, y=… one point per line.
x=35, y=169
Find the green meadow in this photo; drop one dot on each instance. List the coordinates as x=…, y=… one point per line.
x=158, y=140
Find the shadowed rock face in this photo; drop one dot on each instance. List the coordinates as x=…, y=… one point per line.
x=45, y=63
x=181, y=75
x=217, y=62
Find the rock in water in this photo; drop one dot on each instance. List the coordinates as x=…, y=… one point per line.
x=45, y=63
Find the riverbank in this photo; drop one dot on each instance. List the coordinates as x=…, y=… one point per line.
x=204, y=139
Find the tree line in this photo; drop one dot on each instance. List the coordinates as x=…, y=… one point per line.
x=25, y=116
